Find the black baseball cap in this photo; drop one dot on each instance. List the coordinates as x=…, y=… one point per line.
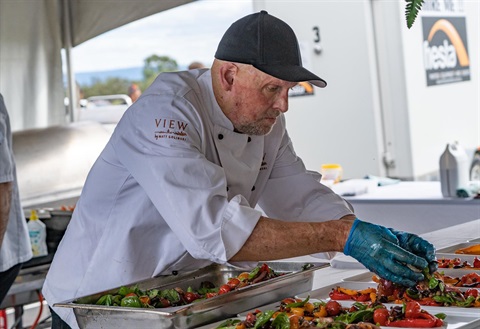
x=267, y=43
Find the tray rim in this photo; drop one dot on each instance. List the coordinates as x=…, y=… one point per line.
x=447, y=249
x=177, y=310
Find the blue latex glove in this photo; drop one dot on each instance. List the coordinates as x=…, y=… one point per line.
x=417, y=246
x=379, y=250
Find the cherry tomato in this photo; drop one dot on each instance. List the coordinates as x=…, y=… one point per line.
x=476, y=262
x=164, y=302
x=380, y=316
x=233, y=282
x=471, y=292
x=190, y=297
x=224, y=289
x=333, y=307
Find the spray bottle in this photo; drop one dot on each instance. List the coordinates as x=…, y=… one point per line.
x=38, y=235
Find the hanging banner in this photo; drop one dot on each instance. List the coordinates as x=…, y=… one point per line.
x=445, y=50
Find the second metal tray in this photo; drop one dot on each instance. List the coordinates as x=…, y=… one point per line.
x=294, y=281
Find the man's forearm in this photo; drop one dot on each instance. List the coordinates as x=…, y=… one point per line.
x=274, y=239
x=5, y=202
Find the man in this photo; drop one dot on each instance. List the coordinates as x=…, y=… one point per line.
x=175, y=189
x=15, y=246
x=134, y=92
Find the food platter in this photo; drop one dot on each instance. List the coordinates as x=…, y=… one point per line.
x=449, y=252
x=368, y=276
x=295, y=280
x=456, y=318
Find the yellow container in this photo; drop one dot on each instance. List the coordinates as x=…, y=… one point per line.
x=331, y=172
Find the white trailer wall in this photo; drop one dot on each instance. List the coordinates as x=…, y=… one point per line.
x=377, y=107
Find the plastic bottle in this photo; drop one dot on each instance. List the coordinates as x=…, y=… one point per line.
x=453, y=170
x=38, y=235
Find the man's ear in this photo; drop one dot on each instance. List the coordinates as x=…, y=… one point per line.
x=227, y=73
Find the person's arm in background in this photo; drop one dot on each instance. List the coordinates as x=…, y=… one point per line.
x=6, y=185
x=5, y=201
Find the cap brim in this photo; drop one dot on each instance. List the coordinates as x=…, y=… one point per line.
x=292, y=73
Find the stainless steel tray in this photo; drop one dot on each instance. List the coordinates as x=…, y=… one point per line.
x=294, y=281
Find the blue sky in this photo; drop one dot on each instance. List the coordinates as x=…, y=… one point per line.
x=187, y=33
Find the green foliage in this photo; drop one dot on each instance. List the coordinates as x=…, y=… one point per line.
x=411, y=11
x=153, y=65
x=110, y=86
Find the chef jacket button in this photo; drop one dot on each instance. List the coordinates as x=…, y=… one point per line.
x=220, y=136
x=227, y=188
x=249, y=139
x=253, y=188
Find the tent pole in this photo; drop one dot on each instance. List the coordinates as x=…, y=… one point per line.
x=67, y=43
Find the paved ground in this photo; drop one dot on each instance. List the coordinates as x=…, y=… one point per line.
x=30, y=313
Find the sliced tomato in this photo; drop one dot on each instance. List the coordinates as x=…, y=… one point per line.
x=224, y=289
x=471, y=292
x=471, y=280
x=476, y=262
x=233, y=282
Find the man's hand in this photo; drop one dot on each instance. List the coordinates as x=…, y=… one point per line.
x=417, y=246
x=379, y=249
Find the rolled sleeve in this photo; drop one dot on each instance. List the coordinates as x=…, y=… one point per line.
x=240, y=220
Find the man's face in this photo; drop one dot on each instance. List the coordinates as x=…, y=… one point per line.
x=258, y=99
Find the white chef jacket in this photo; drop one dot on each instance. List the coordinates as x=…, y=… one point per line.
x=175, y=189
x=16, y=247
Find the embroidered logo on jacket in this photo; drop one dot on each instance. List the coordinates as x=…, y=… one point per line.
x=264, y=165
x=171, y=128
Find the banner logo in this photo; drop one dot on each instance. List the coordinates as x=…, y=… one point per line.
x=445, y=50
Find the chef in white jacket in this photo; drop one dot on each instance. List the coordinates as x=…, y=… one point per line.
x=176, y=187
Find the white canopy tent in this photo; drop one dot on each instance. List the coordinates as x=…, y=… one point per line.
x=32, y=35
